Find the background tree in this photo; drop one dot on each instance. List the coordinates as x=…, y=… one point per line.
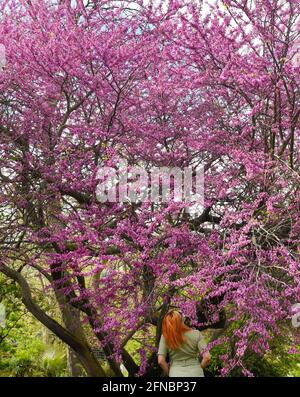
x=166, y=83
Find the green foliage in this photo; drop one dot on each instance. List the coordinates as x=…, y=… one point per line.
x=54, y=363
x=216, y=364
x=277, y=362
x=28, y=356
x=24, y=362
x=23, y=349
x=133, y=347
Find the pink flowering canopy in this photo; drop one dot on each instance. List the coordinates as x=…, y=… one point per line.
x=169, y=83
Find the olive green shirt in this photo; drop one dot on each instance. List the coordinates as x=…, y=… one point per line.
x=190, y=349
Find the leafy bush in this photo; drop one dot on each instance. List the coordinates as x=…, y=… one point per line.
x=54, y=363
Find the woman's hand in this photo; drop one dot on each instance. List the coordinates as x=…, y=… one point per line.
x=163, y=364
x=205, y=360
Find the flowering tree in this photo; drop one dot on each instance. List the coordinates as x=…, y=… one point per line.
x=168, y=83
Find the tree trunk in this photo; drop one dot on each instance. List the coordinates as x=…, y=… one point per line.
x=74, y=366
x=83, y=351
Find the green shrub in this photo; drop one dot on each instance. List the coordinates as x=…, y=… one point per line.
x=53, y=363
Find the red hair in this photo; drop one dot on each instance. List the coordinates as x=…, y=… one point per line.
x=173, y=329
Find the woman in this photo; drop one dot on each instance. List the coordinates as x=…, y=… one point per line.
x=183, y=345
